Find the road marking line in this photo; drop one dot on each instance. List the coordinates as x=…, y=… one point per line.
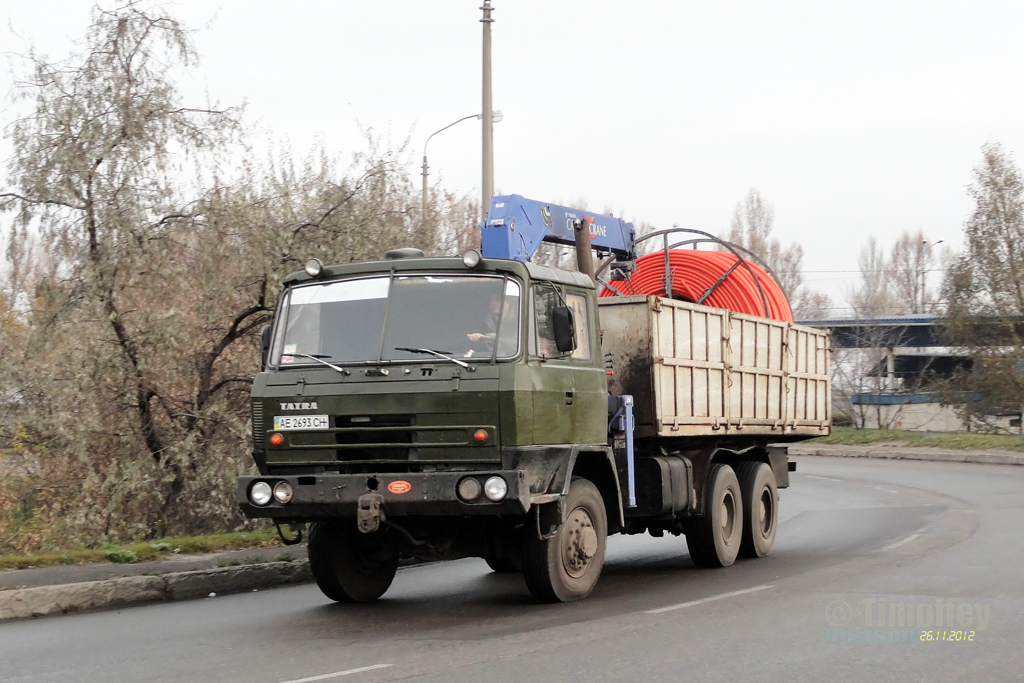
x=711, y=599
x=897, y=544
x=337, y=674
x=814, y=476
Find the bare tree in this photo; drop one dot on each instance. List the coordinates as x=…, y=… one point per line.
x=865, y=375
x=751, y=227
x=984, y=288
x=458, y=227
x=913, y=256
x=127, y=374
x=813, y=305
x=872, y=296
x=863, y=370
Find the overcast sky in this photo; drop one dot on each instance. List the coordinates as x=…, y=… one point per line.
x=853, y=119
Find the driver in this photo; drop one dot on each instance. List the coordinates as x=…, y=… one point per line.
x=507, y=345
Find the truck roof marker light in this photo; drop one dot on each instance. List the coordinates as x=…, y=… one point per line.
x=472, y=258
x=276, y=439
x=314, y=267
x=480, y=435
x=403, y=252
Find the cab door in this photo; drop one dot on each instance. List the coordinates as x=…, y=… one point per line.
x=590, y=384
x=554, y=388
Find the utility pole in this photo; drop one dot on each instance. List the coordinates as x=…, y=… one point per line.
x=488, y=127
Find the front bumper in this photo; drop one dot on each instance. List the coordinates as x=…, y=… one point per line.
x=322, y=496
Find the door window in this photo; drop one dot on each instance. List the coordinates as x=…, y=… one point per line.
x=542, y=341
x=578, y=304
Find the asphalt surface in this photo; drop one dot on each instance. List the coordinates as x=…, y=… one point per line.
x=857, y=538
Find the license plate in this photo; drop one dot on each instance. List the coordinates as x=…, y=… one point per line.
x=297, y=422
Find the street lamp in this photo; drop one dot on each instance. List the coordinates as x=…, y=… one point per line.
x=924, y=250
x=495, y=117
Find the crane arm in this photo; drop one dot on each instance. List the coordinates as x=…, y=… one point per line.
x=515, y=227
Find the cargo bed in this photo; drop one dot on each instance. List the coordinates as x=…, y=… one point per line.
x=700, y=371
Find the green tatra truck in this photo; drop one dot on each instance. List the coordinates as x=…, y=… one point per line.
x=486, y=406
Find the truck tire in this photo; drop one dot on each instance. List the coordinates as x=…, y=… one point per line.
x=566, y=566
x=502, y=565
x=761, y=504
x=350, y=566
x=714, y=538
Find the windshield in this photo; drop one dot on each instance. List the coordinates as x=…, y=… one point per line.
x=457, y=316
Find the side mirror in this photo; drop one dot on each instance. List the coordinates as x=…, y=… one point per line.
x=264, y=346
x=565, y=330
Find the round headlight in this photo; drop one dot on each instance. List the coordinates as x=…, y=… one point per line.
x=314, y=267
x=471, y=259
x=469, y=489
x=495, y=488
x=282, y=492
x=259, y=494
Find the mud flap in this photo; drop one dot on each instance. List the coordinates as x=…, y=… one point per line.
x=778, y=459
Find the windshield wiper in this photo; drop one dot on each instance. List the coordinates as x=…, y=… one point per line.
x=439, y=354
x=319, y=359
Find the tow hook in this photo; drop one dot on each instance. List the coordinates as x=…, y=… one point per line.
x=370, y=515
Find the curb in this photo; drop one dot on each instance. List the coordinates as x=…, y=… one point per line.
x=976, y=457
x=138, y=590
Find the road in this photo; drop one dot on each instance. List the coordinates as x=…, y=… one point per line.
x=856, y=539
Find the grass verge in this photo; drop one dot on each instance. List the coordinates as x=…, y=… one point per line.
x=848, y=436
x=152, y=550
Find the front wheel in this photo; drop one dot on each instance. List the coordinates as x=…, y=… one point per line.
x=714, y=538
x=566, y=566
x=350, y=566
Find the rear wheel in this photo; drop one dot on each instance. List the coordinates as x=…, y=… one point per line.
x=714, y=538
x=566, y=566
x=350, y=566
x=761, y=504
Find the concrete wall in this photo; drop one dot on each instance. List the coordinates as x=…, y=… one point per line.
x=928, y=417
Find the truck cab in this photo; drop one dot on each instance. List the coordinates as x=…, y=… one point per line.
x=426, y=399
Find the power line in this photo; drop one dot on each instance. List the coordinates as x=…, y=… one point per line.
x=881, y=270
x=895, y=309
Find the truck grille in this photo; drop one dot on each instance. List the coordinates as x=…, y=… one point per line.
x=374, y=437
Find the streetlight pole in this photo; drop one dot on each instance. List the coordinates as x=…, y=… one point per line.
x=423, y=209
x=495, y=117
x=487, y=188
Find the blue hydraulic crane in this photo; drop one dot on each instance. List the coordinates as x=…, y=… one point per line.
x=515, y=227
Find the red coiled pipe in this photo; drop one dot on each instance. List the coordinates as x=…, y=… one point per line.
x=695, y=272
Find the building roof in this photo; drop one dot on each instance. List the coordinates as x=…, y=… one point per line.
x=867, y=321
x=913, y=330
